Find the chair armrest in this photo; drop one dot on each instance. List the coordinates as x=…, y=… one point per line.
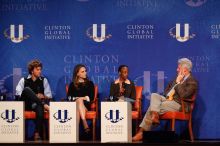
x=137, y=105
x=94, y=104
x=190, y=101
x=187, y=100
x=94, y=101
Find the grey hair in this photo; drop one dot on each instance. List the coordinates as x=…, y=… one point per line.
x=185, y=62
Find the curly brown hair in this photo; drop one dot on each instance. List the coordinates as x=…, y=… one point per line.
x=33, y=64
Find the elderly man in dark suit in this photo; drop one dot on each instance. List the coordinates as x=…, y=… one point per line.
x=184, y=85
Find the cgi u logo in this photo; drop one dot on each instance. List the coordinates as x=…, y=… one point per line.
x=178, y=36
x=186, y=33
x=9, y=116
x=95, y=31
x=62, y=116
x=20, y=34
x=20, y=37
x=95, y=36
x=113, y=116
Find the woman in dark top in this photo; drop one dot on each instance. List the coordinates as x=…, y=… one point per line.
x=81, y=90
x=122, y=87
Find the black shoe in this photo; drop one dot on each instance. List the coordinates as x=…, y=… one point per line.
x=37, y=137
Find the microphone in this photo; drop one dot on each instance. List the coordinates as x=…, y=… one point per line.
x=111, y=98
x=69, y=98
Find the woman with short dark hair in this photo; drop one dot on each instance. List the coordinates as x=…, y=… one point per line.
x=122, y=87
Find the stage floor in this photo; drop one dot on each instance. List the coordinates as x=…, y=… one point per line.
x=91, y=143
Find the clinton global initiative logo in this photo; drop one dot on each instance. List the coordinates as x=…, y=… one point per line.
x=3, y=85
x=140, y=32
x=15, y=33
x=151, y=82
x=113, y=116
x=15, y=76
x=57, y=32
x=215, y=31
x=101, y=67
x=92, y=32
x=62, y=116
x=9, y=116
x=195, y=3
x=175, y=32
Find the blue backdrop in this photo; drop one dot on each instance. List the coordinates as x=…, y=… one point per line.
x=140, y=33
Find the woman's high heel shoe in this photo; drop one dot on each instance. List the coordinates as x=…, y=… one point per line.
x=87, y=130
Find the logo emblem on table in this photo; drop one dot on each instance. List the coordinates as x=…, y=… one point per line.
x=177, y=35
x=113, y=116
x=62, y=116
x=94, y=32
x=9, y=116
x=11, y=34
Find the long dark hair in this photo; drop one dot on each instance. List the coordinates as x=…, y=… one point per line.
x=76, y=78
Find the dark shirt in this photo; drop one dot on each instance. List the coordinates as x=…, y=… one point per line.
x=40, y=85
x=84, y=89
x=129, y=92
x=36, y=86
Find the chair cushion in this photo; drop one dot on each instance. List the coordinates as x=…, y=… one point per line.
x=29, y=115
x=175, y=115
x=90, y=115
x=135, y=115
x=32, y=115
x=93, y=106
